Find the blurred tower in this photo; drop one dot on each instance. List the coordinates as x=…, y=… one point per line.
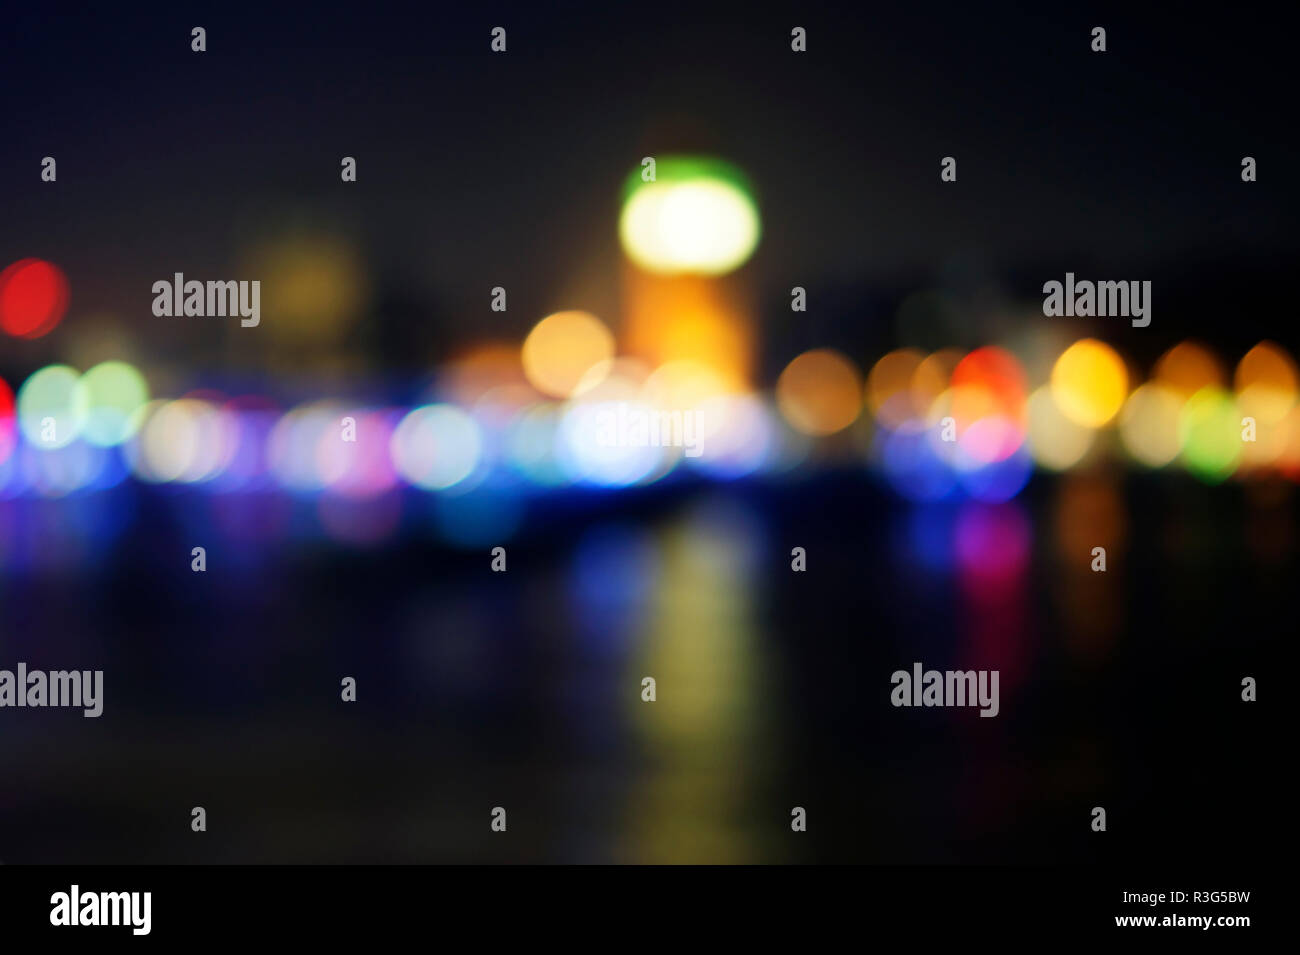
x=687, y=223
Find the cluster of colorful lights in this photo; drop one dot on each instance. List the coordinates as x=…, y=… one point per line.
x=521, y=418
x=998, y=429
x=935, y=425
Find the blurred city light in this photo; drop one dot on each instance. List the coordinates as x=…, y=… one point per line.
x=698, y=215
x=52, y=407
x=1210, y=429
x=1089, y=383
x=820, y=392
x=113, y=392
x=33, y=298
x=562, y=349
x=436, y=447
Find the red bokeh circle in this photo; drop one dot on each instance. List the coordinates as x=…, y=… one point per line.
x=33, y=298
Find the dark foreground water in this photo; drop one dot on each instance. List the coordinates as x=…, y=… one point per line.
x=523, y=689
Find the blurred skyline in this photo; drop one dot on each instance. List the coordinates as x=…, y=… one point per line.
x=479, y=170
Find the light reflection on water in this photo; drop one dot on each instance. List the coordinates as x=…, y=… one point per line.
x=701, y=742
x=704, y=601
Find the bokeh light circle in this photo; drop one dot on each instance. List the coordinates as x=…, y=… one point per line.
x=820, y=392
x=33, y=298
x=1210, y=430
x=1089, y=383
x=52, y=407
x=113, y=392
x=890, y=394
x=562, y=349
x=1055, y=441
x=1187, y=368
x=1266, y=383
x=436, y=446
x=987, y=402
x=697, y=216
x=1148, y=425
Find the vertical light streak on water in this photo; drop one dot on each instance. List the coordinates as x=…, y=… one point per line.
x=701, y=743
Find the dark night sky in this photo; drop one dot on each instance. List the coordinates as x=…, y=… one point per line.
x=478, y=169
